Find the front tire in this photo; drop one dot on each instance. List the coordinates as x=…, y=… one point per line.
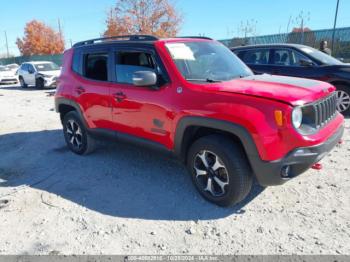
x=220, y=170
x=76, y=135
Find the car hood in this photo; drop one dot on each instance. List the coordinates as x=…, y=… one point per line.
x=291, y=90
x=51, y=73
x=7, y=73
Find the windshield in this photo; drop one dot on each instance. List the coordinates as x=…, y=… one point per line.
x=3, y=69
x=320, y=56
x=12, y=66
x=207, y=62
x=46, y=67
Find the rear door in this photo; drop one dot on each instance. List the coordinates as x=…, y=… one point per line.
x=91, y=88
x=257, y=59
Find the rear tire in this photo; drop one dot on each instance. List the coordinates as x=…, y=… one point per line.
x=343, y=96
x=226, y=167
x=22, y=82
x=76, y=135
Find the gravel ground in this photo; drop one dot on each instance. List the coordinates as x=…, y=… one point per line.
x=124, y=200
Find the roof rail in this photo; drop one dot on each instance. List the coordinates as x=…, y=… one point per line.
x=199, y=37
x=120, y=37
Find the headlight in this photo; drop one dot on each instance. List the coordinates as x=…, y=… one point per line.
x=297, y=117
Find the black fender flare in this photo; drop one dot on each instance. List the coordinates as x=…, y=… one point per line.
x=64, y=101
x=221, y=125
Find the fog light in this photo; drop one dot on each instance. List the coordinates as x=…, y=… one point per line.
x=285, y=171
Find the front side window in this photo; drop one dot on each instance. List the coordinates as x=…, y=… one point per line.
x=127, y=63
x=207, y=62
x=95, y=66
x=298, y=58
x=31, y=68
x=46, y=67
x=257, y=57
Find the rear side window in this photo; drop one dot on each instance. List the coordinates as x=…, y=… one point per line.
x=127, y=63
x=258, y=57
x=282, y=57
x=95, y=66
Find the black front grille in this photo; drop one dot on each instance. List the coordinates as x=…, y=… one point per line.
x=325, y=110
x=318, y=114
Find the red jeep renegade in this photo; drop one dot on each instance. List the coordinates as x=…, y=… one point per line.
x=194, y=98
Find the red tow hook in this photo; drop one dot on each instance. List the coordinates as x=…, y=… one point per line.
x=317, y=166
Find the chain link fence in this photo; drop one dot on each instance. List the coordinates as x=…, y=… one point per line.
x=341, y=47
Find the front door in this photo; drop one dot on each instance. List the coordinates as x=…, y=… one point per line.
x=141, y=111
x=29, y=77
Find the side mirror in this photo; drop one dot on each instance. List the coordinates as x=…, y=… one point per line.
x=304, y=62
x=144, y=78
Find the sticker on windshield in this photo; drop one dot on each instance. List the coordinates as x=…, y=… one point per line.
x=180, y=51
x=41, y=66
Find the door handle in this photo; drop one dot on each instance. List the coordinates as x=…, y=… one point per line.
x=80, y=90
x=119, y=96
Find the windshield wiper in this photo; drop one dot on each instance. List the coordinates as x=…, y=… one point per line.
x=208, y=80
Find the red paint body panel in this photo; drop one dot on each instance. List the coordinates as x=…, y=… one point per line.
x=249, y=103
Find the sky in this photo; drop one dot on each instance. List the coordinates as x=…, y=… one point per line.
x=219, y=19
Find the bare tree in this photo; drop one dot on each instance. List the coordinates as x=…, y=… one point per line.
x=247, y=28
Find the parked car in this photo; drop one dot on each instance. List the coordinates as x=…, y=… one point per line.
x=40, y=74
x=13, y=67
x=7, y=76
x=299, y=61
x=194, y=99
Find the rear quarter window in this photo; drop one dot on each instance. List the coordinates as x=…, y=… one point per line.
x=76, y=62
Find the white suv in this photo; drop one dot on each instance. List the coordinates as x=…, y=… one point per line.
x=40, y=74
